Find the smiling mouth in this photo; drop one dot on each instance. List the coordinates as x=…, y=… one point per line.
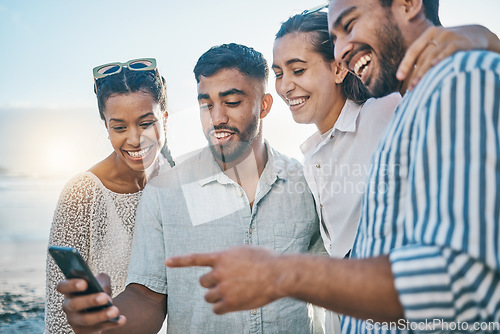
x=361, y=65
x=221, y=135
x=296, y=102
x=139, y=154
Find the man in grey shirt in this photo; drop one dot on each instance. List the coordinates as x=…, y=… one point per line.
x=236, y=191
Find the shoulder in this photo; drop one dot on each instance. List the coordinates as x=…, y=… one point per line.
x=376, y=113
x=459, y=68
x=284, y=164
x=81, y=187
x=467, y=61
x=187, y=169
x=82, y=182
x=383, y=103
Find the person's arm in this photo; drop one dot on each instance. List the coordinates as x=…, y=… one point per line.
x=70, y=227
x=249, y=277
x=437, y=43
x=450, y=267
x=141, y=310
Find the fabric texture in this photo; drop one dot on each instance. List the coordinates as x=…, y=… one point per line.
x=336, y=166
x=196, y=208
x=100, y=224
x=433, y=199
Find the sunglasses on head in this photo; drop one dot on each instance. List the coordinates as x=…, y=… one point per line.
x=315, y=9
x=141, y=64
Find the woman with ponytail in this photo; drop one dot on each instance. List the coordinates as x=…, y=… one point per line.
x=96, y=209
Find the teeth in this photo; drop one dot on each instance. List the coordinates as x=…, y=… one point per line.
x=296, y=101
x=360, y=66
x=220, y=135
x=139, y=154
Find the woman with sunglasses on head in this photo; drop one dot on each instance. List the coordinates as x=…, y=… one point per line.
x=350, y=123
x=96, y=209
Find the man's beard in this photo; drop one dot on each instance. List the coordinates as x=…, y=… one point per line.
x=392, y=51
x=235, y=148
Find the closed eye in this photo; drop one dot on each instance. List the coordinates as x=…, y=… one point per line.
x=299, y=71
x=118, y=128
x=147, y=124
x=233, y=104
x=348, y=25
x=205, y=106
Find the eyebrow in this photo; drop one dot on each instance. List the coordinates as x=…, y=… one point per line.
x=290, y=61
x=233, y=91
x=342, y=15
x=140, y=117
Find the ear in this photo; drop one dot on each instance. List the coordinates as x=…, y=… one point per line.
x=265, y=105
x=408, y=9
x=165, y=116
x=340, y=72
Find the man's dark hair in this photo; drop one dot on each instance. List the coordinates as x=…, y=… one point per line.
x=232, y=56
x=431, y=8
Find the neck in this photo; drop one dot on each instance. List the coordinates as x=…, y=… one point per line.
x=256, y=152
x=132, y=179
x=333, y=115
x=419, y=25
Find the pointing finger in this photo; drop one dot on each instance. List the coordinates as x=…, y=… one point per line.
x=201, y=260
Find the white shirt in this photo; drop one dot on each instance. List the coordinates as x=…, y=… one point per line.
x=336, y=165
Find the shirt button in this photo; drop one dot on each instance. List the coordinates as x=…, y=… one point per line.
x=250, y=230
x=254, y=311
x=240, y=193
x=317, y=166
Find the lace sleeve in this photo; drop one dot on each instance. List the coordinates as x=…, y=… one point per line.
x=70, y=227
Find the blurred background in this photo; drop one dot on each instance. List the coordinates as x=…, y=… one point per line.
x=49, y=124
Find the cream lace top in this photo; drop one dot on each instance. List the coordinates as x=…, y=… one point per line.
x=99, y=223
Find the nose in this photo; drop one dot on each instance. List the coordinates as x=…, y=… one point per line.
x=134, y=137
x=218, y=115
x=285, y=85
x=342, y=48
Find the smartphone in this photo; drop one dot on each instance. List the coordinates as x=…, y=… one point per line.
x=73, y=265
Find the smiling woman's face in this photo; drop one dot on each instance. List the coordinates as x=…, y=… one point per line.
x=136, y=130
x=304, y=80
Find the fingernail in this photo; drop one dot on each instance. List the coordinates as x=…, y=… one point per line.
x=101, y=299
x=111, y=312
x=80, y=285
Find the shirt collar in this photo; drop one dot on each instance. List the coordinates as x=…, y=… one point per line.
x=275, y=168
x=347, y=122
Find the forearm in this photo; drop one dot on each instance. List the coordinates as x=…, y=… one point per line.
x=479, y=36
x=351, y=287
x=144, y=309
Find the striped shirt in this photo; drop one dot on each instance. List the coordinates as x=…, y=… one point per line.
x=433, y=200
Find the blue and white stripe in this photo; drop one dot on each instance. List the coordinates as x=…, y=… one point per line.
x=433, y=198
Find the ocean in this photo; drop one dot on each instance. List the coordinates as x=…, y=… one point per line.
x=26, y=208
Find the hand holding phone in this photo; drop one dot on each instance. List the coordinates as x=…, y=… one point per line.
x=73, y=265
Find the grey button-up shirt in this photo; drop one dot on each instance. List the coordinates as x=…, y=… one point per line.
x=195, y=207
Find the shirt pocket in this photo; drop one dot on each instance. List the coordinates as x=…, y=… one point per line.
x=294, y=236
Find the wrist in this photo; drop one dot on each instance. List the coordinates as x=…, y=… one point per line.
x=286, y=275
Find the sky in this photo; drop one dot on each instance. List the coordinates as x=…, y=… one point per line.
x=49, y=123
